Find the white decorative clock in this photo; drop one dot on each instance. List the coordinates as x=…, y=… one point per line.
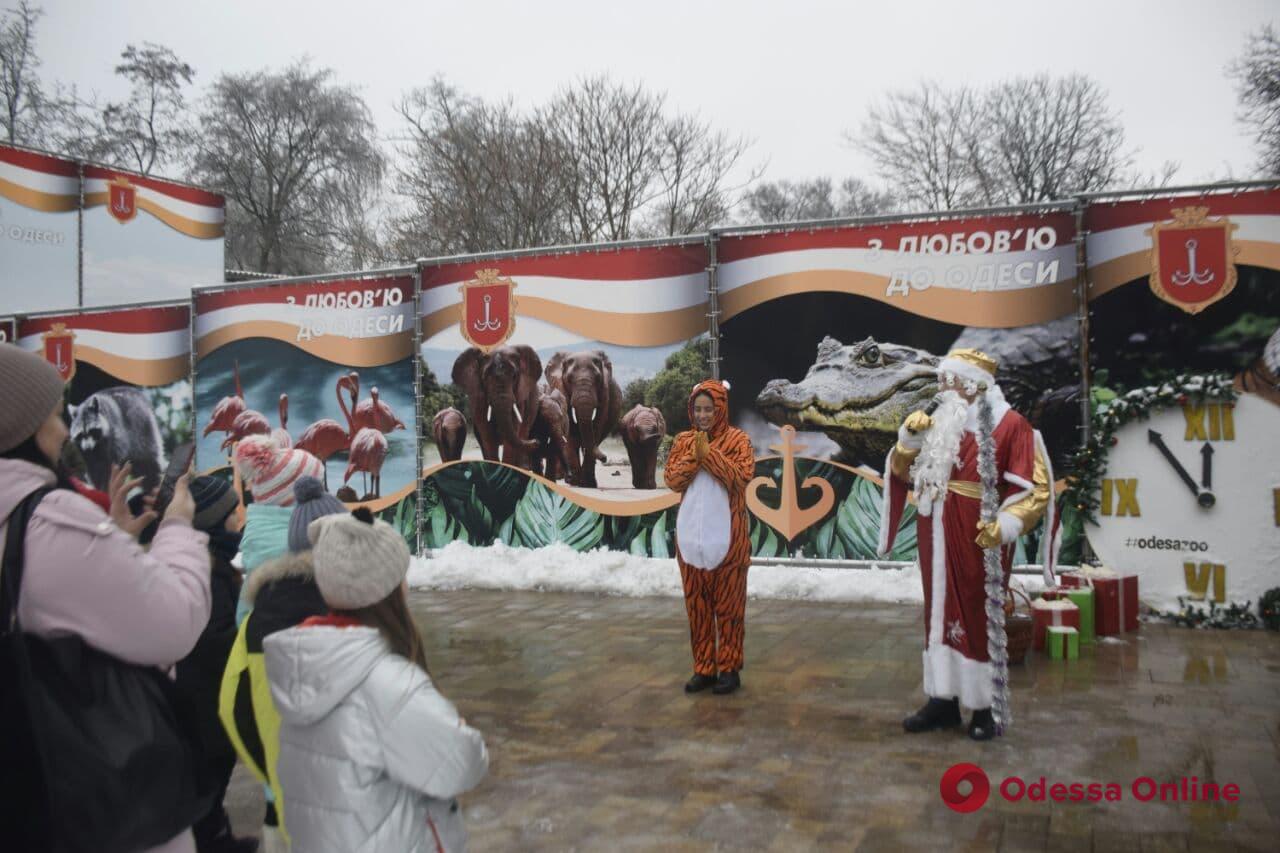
x=1190, y=503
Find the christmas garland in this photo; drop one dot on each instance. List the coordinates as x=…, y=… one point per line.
x=1090, y=462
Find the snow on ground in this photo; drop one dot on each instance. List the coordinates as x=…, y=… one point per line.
x=561, y=569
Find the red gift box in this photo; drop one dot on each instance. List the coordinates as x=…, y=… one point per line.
x=1045, y=613
x=1116, y=596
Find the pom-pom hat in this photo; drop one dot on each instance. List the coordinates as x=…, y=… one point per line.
x=358, y=560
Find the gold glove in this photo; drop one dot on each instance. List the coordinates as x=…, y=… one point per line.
x=701, y=446
x=917, y=421
x=989, y=535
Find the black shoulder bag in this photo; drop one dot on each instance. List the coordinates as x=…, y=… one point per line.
x=95, y=753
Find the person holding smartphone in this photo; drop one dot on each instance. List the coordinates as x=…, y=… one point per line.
x=85, y=573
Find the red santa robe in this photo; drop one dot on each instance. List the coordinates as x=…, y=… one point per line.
x=956, y=663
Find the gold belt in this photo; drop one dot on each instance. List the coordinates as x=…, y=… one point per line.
x=965, y=488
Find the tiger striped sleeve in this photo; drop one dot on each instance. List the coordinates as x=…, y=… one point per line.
x=732, y=461
x=681, y=466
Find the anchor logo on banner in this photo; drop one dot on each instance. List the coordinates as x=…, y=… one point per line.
x=59, y=350
x=488, y=310
x=122, y=198
x=789, y=519
x=1192, y=259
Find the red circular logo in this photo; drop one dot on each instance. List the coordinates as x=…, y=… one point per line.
x=979, y=788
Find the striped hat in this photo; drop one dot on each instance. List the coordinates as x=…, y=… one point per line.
x=269, y=470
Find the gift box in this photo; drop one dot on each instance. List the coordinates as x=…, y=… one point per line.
x=1082, y=597
x=1046, y=614
x=1063, y=643
x=1115, y=598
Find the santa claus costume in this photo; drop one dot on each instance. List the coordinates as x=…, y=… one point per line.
x=973, y=447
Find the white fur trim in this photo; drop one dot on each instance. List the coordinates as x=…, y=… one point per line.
x=948, y=673
x=965, y=370
x=1052, y=541
x=1010, y=527
x=882, y=545
x=938, y=579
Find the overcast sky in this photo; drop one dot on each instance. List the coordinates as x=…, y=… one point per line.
x=792, y=76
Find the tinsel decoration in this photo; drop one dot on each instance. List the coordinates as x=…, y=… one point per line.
x=1089, y=464
x=997, y=641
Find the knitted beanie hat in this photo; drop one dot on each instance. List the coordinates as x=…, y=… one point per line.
x=269, y=470
x=32, y=388
x=215, y=500
x=311, y=501
x=358, y=560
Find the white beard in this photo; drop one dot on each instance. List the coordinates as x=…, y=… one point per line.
x=931, y=471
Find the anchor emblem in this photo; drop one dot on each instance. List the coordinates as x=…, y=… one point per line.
x=1182, y=279
x=488, y=310
x=1192, y=259
x=122, y=199
x=486, y=324
x=789, y=519
x=59, y=350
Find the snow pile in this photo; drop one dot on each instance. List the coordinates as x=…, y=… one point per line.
x=559, y=568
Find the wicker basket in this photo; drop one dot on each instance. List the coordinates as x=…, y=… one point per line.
x=1017, y=627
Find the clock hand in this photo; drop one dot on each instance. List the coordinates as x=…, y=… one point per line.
x=1158, y=440
x=1206, y=466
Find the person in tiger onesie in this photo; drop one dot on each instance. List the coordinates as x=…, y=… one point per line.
x=710, y=466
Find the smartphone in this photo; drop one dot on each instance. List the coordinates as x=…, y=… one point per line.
x=179, y=462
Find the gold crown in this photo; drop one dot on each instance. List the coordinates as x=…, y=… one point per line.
x=977, y=358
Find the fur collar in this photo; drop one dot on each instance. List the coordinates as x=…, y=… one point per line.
x=288, y=566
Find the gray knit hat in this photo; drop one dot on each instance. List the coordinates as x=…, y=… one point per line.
x=311, y=501
x=32, y=388
x=358, y=560
x=214, y=499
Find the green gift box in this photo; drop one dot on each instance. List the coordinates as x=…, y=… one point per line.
x=1083, y=598
x=1063, y=643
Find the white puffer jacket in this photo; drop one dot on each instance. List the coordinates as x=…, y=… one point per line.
x=371, y=755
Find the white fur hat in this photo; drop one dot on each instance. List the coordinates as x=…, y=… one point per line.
x=358, y=560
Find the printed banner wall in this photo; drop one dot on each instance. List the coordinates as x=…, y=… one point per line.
x=1189, y=285
x=325, y=366
x=128, y=390
x=552, y=387
x=830, y=338
x=148, y=239
x=39, y=253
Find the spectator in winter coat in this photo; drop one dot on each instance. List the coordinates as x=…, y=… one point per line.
x=280, y=594
x=372, y=757
x=199, y=674
x=710, y=465
x=85, y=573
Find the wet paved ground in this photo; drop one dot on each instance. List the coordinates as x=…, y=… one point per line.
x=595, y=747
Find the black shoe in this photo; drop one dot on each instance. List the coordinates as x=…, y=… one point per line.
x=727, y=683
x=228, y=843
x=698, y=683
x=983, y=725
x=936, y=714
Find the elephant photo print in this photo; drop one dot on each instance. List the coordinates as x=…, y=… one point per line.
x=831, y=337
x=552, y=388
x=326, y=367
x=128, y=391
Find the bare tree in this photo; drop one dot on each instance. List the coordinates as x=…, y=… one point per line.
x=1025, y=140
x=1041, y=138
x=146, y=131
x=694, y=164
x=475, y=176
x=285, y=147
x=1257, y=75
x=610, y=134
x=920, y=142
x=19, y=75
x=816, y=198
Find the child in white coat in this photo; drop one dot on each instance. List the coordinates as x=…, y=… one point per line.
x=373, y=757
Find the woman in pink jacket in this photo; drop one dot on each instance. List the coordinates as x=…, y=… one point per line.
x=85, y=572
